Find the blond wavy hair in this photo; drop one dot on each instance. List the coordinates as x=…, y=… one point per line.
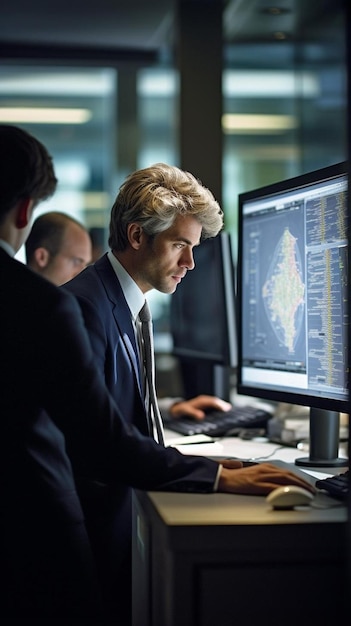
x=154, y=196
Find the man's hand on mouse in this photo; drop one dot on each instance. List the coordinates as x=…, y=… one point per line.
x=197, y=407
x=258, y=479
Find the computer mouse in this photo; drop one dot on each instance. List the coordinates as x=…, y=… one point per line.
x=289, y=496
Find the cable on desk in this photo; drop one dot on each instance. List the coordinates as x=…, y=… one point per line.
x=267, y=456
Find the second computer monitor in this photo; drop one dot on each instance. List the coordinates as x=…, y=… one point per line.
x=203, y=320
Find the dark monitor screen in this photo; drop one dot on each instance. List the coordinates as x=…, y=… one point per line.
x=202, y=316
x=292, y=295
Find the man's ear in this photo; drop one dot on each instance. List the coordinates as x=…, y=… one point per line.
x=41, y=257
x=24, y=212
x=135, y=235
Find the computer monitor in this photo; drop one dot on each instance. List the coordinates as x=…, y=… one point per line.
x=292, y=301
x=203, y=320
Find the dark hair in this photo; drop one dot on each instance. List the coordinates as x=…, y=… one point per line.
x=26, y=169
x=48, y=232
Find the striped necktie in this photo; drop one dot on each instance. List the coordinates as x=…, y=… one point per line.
x=153, y=412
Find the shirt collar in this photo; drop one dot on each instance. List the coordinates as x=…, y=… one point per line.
x=133, y=295
x=6, y=246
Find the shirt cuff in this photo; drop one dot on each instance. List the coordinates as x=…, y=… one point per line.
x=215, y=486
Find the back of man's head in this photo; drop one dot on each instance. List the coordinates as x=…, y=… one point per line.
x=26, y=169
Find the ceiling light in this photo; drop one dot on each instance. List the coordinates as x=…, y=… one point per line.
x=73, y=83
x=239, y=123
x=268, y=84
x=39, y=115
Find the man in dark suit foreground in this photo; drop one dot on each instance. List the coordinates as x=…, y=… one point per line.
x=58, y=420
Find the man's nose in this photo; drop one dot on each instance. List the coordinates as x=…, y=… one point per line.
x=187, y=260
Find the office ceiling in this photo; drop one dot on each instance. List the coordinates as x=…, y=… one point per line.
x=131, y=28
x=91, y=36
x=106, y=24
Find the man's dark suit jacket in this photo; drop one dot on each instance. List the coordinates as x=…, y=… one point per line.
x=56, y=415
x=108, y=321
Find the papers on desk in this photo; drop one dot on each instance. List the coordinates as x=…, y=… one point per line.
x=199, y=445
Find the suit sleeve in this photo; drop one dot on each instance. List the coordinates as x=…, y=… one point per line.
x=100, y=445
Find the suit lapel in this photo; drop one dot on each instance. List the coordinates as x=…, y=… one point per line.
x=121, y=313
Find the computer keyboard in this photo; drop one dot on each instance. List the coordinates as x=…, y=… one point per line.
x=336, y=486
x=220, y=423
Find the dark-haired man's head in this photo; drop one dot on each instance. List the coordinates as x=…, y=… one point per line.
x=26, y=169
x=27, y=178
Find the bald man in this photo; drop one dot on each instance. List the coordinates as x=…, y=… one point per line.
x=58, y=247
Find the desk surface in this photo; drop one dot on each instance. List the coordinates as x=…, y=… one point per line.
x=182, y=509
x=254, y=451
x=231, y=509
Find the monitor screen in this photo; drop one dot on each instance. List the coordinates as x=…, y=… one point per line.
x=292, y=295
x=203, y=320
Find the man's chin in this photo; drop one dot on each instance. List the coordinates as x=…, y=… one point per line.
x=170, y=289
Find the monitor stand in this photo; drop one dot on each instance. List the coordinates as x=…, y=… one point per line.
x=324, y=440
x=221, y=382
